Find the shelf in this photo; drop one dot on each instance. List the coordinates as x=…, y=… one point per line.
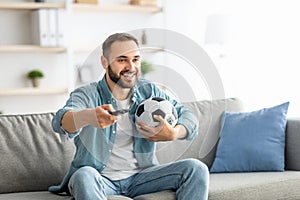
x=29, y=5
x=32, y=91
x=143, y=49
x=30, y=48
x=79, y=7
x=115, y=8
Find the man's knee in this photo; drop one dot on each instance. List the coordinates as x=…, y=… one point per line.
x=87, y=183
x=85, y=173
x=85, y=176
x=196, y=167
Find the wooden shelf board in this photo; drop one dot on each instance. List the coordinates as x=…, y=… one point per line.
x=30, y=48
x=151, y=49
x=115, y=8
x=80, y=7
x=29, y=5
x=143, y=49
x=32, y=91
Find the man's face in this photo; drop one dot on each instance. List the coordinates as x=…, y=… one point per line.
x=124, y=63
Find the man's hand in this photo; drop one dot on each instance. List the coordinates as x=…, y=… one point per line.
x=98, y=117
x=102, y=117
x=163, y=132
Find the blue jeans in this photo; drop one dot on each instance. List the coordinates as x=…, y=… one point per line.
x=189, y=178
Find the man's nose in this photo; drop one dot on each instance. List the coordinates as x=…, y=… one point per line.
x=131, y=65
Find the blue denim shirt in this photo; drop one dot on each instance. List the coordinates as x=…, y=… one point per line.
x=94, y=145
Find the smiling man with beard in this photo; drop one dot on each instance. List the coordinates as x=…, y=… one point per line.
x=113, y=156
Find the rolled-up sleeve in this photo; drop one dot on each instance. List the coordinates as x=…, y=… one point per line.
x=189, y=121
x=57, y=127
x=77, y=101
x=185, y=116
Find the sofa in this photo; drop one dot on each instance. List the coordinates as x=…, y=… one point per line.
x=33, y=157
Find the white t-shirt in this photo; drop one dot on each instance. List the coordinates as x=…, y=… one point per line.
x=122, y=162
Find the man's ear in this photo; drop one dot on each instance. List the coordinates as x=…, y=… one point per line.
x=104, y=62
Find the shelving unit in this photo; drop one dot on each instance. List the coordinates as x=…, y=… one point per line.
x=115, y=8
x=29, y=5
x=33, y=91
x=80, y=7
x=30, y=49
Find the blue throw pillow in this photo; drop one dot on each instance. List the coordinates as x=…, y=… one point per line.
x=252, y=141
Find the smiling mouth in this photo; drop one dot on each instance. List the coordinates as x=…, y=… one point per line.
x=128, y=74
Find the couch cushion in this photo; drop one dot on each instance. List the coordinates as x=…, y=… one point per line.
x=33, y=157
x=252, y=141
x=45, y=195
x=255, y=186
x=292, y=151
x=204, y=146
x=250, y=186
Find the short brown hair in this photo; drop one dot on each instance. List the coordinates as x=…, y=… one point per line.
x=106, y=46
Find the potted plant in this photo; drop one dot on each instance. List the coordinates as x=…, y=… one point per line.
x=146, y=68
x=35, y=76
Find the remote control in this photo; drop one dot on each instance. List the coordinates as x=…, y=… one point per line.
x=119, y=112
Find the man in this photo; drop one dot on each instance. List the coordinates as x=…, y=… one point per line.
x=113, y=156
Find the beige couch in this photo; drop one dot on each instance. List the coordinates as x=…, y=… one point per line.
x=33, y=157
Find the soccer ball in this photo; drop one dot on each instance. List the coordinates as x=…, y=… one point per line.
x=156, y=106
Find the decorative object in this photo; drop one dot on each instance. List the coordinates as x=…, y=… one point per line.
x=143, y=2
x=35, y=76
x=144, y=38
x=39, y=1
x=252, y=141
x=146, y=67
x=87, y=1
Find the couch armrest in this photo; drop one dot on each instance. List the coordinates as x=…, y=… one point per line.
x=292, y=149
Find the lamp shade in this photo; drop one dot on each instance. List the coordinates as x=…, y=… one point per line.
x=218, y=28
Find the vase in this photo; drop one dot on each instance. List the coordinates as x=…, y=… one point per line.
x=35, y=82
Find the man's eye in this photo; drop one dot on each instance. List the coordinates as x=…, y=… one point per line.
x=136, y=60
x=121, y=60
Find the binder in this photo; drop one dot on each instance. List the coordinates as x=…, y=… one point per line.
x=60, y=27
x=39, y=24
x=52, y=27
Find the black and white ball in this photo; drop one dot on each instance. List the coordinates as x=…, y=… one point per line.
x=156, y=106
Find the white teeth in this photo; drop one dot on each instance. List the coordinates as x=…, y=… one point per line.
x=128, y=74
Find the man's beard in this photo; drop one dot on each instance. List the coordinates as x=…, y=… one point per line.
x=120, y=82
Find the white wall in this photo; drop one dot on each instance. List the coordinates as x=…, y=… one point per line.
x=260, y=65
x=260, y=62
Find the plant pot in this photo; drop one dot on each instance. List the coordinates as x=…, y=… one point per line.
x=35, y=82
